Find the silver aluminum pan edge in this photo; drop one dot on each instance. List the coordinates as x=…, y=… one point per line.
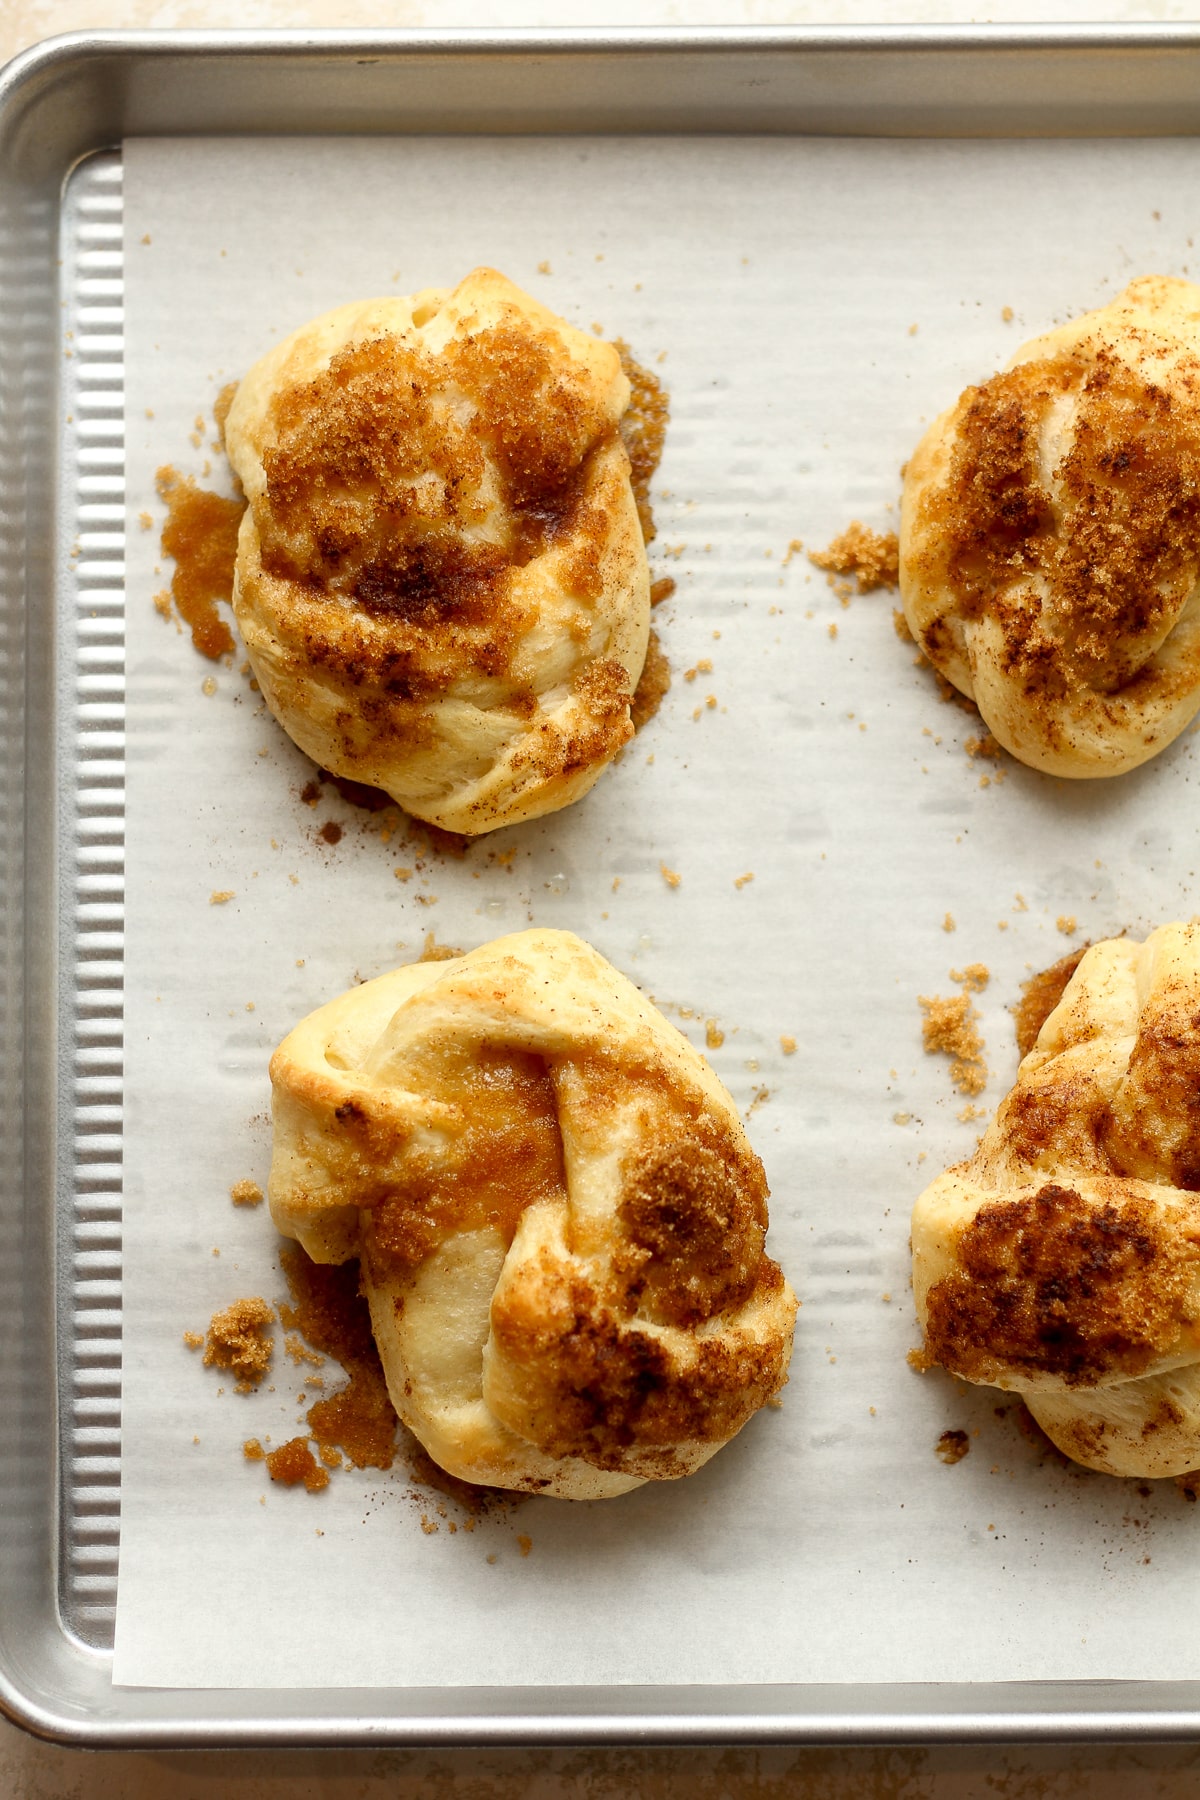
x=74, y=95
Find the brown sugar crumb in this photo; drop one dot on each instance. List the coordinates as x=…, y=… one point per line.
x=974, y=978
x=643, y=430
x=1068, y=924
x=950, y=1027
x=193, y=1339
x=162, y=604
x=741, y=881
x=662, y=589
x=429, y=1526
x=714, y=1037
x=238, y=1341
x=330, y=832
x=795, y=546
x=948, y=923
x=1039, y=997
x=294, y=1463
x=524, y=1544
x=832, y=628
x=653, y=684
x=952, y=1446
x=246, y=1193
x=985, y=746
x=253, y=1451
x=1006, y=313
x=299, y=1352
x=221, y=896
x=200, y=532
x=670, y=876
x=872, y=557
x=788, y=1045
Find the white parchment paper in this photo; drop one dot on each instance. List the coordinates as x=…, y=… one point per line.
x=813, y=304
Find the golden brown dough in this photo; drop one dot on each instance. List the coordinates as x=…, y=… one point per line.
x=1050, y=537
x=1062, y=1261
x=560, y=1219
x=441, y=578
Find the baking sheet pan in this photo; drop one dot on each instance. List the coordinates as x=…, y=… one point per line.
x=805, y=752
x=764, y=1710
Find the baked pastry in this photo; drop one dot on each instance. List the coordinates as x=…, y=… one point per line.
x=559, y=1216
x=1050, y=537
x=1062, y=1261
x=441, y=578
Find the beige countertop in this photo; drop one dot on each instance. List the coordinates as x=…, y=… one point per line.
x=33, y=1771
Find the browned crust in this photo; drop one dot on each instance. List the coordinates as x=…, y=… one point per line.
x=1154, y=1131
x=593, y=1386
x=1118, y=543
x=1054, y=1284
x=375, y=507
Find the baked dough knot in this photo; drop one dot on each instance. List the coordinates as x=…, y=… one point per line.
x=559, y=1217
x=1062, y=1261
x=441, y=578
x=1050, y=537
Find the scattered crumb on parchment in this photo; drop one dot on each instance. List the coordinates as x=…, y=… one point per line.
x=238, y=1340
x=219, y=896
x=872, y=557
x=952, y=1446
x=951, y=1027
x=246, y=1193
x=787, y=1045
x=974, y=978
x=671, y=876
x=714, y=1037
x=1067, y=923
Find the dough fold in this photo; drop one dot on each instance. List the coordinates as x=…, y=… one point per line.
x=1062, y=1261
x=560, y=1219
x=441, y=578
x=1050, y=537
